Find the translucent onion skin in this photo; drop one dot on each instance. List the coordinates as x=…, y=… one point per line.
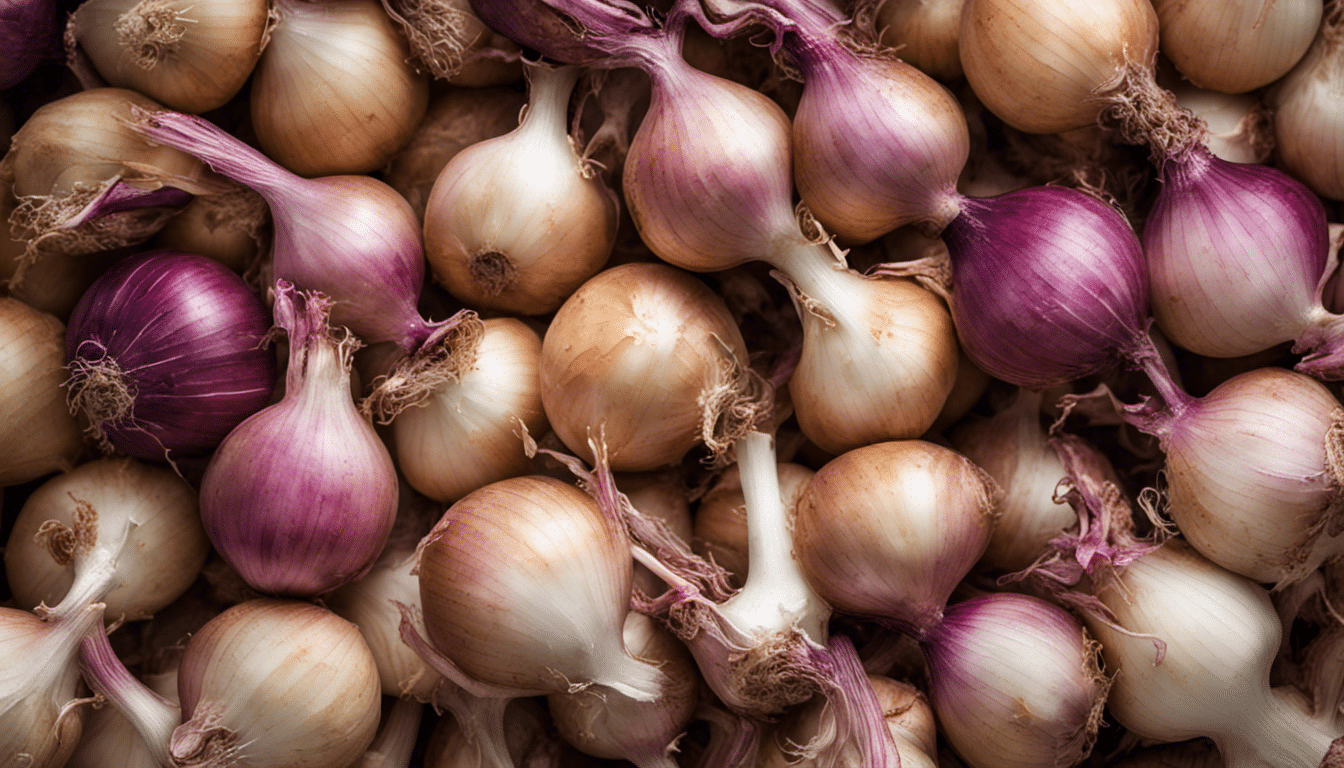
x=300, y=498
x=525, y=583
x=183, y=334
x=1016, y=682
x=1049, y=285
x=1236, y=46
x=38, y=435
x=1235, y=252
x=888, y=530
x=1038, y=64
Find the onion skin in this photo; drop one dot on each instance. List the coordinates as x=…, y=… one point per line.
x=1309, y=111
x=38, y=436
x=1038, y=64
x=184, y=335
x=1235, y=46
x=300, y=498
x=1049, y=285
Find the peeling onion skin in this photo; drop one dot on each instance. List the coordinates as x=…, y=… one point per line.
x=1037, y=64
x=889, y=530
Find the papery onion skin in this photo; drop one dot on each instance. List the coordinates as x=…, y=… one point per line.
x=165, y=544
x=39, y=435
x=482, y=409
x=1049, y=285
x=1016, y=682
x=525, y=583
x=1308, y=116
x=1038, y=64
x=634, y=352
x=1252, y=479
x=888, y=530
x=334, y=92
x=183, y=334
x=189, y=55
x=300, y=498
x=1236, y=46
x=241, y=671
x=1235, y=252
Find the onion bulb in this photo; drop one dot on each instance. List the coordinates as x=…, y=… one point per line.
x=1236, y=46
x=1309, y=111
x=39, y=435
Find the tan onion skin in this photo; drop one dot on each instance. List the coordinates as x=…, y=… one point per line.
x=37, y=433
x=924, y=33
x=165, y=549
x=334, y=92
x=888, y=530
x=1309, y=113
x=294, y=679
x=630, y=353
x=219, y=45
x=525, y=583
x=1037, y=64
x=1236, y=46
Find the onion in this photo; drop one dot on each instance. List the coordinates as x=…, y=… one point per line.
x=394, y=746
x=39, y=434
x=1016, y=682
x=87, y=182
x=888, y=530
x=142, y=519
x=1239, y=125
x=649, y=356
x=1039, y=64
x=924, y=33
x=28, y=35
x=1308, y=118
x=351, y=237
x=1012, y=448
x=40, y=716
x=525, y=585
x=165, y=355
x=1049, y=285
x=611, y=725
x=237, y=682
x=492, y=403
x=189, y=55
x=456, y=119
x=109, y=737
x=515, y=224
x=1221, y=635
x=300, y=498
x=1236, y=45
x=334, y=92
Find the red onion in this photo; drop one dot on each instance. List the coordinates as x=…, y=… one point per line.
x=351, y=237
x=301, y=497
x=165, y=356
x=1049, y=285
x=1236, y=254
x=27, y=36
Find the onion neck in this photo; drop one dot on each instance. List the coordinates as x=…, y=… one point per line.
x=1322, y=343
x=822, y=279
x=548, y=102
x=1145, y=356
x=395, y=743
x=153, y=716
x=95, y=576
x=1277, y=736
x=775, y=587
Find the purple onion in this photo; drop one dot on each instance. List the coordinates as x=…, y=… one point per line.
x=164, y=352
x=535, y=24
x=353, y=238
x=1236, y=253
x=28, y=34
x=1049, y=285
x=1015, y=682
x=301, y=497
